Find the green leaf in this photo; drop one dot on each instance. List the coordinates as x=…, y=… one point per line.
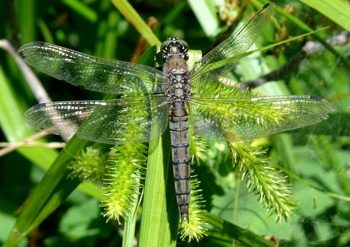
x=77, y=222
x=336, y=10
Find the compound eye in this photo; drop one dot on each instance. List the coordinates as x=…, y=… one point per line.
x=184, y=45
x=164, y=46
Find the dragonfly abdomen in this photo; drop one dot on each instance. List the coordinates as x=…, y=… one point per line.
x=178, y=125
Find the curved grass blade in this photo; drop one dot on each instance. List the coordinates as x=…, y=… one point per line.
x=49, y=194
x=135, y=19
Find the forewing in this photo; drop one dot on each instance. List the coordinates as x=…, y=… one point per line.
x=92, y=73
x=223, y=58
x=120, y=121
x=241, y=119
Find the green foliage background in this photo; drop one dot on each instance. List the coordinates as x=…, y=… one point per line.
x=315, y=158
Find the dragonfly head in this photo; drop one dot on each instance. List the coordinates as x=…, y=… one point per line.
x=174, y=47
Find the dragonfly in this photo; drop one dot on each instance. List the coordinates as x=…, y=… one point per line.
x=148, y=100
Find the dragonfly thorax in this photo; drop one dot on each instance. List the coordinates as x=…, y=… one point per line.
x=176, y=70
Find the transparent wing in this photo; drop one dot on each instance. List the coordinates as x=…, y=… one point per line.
x=248, y=118
x=223, y=58
x=116, y=122
x=92, y=73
